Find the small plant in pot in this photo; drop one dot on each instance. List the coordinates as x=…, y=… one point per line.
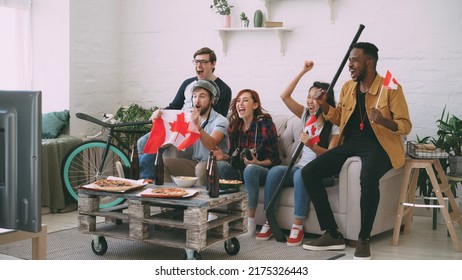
x=450, y=139
x=244, y=20
x=221, y=7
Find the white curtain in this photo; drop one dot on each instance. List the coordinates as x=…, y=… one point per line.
x=16, y=47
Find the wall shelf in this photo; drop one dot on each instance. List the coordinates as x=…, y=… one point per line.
x=280, y=31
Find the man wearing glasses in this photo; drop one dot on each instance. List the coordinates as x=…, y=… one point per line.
x=204, y=61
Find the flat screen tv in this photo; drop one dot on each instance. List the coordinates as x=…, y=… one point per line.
x=20, y=154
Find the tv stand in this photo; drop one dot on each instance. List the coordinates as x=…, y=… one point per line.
x=39, y=241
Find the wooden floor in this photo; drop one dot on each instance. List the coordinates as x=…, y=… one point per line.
x=422, y=243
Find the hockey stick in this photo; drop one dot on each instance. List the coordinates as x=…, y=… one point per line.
x=270, y=213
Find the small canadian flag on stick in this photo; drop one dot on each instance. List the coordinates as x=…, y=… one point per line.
x=312, y=129
x=389, y=82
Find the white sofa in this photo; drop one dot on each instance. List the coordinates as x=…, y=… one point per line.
x=343, y=197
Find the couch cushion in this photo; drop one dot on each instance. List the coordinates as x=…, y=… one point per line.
x=53, y=123
x=289, y=129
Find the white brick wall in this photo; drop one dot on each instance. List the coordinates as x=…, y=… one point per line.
x=140, y=51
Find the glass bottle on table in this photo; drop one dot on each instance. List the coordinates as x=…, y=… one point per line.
x=214, y=184
x=159, y=167
x=134, y=164
x=207, y=170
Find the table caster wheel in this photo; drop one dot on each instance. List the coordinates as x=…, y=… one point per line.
x=232, y=246
x=99, y=245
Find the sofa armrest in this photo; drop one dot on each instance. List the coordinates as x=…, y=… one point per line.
x=53, y=152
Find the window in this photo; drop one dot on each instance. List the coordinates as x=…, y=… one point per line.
x=15, y=49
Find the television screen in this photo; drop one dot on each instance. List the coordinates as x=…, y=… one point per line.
x=20, y=154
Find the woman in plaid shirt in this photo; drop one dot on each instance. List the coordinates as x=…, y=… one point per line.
x=250, y=127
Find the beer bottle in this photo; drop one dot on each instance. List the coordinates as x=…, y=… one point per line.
x=214, y=188
x=207, y=170
x=134, y=164
x=159, y=166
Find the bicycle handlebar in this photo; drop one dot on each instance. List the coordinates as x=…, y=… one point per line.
x=89, y=118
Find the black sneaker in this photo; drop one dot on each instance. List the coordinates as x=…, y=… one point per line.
x=326, y=242
x=363, y=250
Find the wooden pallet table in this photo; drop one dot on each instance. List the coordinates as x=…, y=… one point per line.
x=177, y=223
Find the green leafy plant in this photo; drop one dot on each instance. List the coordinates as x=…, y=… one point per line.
x=449, y=134
x=244, y=16
x=221, y=7
x=133, y=113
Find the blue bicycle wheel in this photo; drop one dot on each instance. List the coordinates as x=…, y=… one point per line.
x=81, y=167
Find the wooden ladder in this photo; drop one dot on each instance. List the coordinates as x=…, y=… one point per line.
x=408, y=189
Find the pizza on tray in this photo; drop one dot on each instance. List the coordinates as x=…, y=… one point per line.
x=113, y=185
x=168, y=192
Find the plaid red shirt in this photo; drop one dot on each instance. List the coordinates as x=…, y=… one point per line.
x=266, y=134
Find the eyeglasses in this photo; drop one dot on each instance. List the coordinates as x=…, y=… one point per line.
x=201, y=62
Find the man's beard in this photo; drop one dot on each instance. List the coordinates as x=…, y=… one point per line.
x=204, y=110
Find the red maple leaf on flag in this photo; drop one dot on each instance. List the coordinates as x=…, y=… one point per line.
x=181, y=134
x=313, y=130
x=180, y=125
x=311, y=127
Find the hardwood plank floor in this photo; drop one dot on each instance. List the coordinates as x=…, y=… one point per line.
x=422, y=243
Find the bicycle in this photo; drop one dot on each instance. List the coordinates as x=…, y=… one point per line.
x=97, y=159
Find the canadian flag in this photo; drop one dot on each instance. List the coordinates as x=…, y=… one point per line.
x=389, y=81
x=173, y=127
x=311, y=128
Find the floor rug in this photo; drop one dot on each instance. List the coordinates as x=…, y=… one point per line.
x=71, y=244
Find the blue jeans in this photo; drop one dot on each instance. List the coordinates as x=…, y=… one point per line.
x=226, y=171
x=254, y=177
x=147, y=167
x=294, y=178
x=141, y=143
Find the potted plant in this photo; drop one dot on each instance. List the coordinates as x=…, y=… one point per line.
x=244, y=20
x=450, y=139
x=223, y=8
x=133, y=113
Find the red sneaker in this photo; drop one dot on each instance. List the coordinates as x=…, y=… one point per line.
x=265, y=232
x=295, y=237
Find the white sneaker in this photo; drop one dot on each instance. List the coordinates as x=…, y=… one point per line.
x=251, y=228
x=249, y=233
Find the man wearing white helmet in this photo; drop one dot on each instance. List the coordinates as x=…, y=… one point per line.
x=213, y=129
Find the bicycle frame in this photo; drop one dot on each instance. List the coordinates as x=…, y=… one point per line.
x=112, y=128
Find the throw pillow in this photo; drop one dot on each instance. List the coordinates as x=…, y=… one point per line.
x=53, y=123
